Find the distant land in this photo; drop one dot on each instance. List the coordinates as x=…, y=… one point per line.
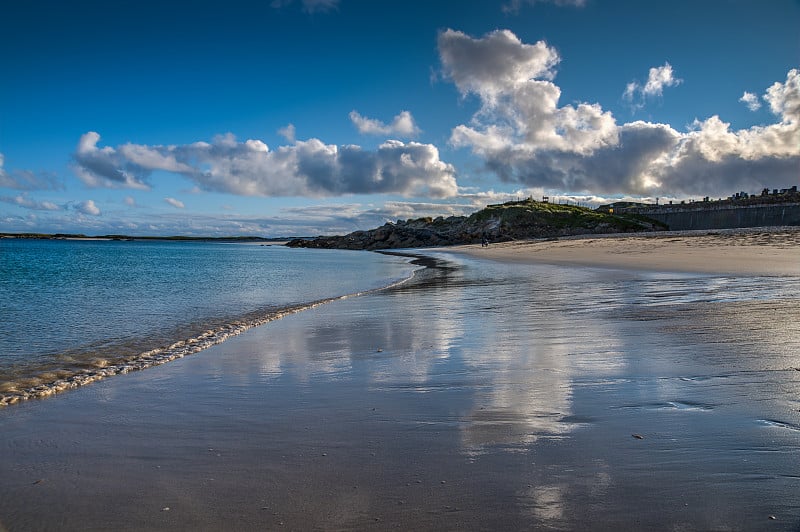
x=126, y=238
x=496, y=223
x=528, y=219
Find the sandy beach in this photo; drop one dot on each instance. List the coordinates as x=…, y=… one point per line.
x=508, y=388
x=730, y=251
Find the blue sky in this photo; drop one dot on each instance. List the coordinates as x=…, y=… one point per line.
x=304, y=117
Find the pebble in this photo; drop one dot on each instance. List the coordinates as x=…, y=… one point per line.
x=165, y=509
x=638, y=436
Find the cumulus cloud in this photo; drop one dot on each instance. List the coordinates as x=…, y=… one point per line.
x=22, y=200
x=490, y=65
x=784, y=98
x=524, y=135
x=107, y=167
x=250, y=168
x=751, y=101
x=88, y=207
x=175, y=203
x=658, y=78
x=402, y=125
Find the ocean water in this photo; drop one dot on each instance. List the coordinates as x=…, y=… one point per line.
x=74, y=311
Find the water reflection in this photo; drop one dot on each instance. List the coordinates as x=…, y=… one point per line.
x=522, y=346
x=529, y=353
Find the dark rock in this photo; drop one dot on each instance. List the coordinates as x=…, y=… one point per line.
x=496, y=223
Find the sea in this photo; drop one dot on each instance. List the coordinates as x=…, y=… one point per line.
x=76, y=311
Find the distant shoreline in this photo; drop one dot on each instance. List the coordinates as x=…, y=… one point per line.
x=128, y=238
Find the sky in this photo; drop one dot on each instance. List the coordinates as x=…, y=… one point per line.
x=304, y=117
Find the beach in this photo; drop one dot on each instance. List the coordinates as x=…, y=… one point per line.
x=633, y=382
x=756, y=251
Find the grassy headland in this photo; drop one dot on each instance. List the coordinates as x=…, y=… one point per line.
x=496, y=223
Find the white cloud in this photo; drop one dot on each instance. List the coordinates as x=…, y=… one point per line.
x=513, y=6
x=175, y=203
x=524, y=136
x=88, y=207
x=288, y=132
x=309, y=6
x=630, y=91
x=784, y=98
x=129, y=201
x=107, y=167
x=658, y=78
x=250, y=168
x=490, y=65
x=402, y=125
x=751, y=100
x=143, y=157
x=27, y=180
x=518, y=112
x=22, y=200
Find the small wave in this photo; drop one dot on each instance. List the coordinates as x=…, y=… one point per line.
x=672, y=405
x=780, y=424
x=52, y=382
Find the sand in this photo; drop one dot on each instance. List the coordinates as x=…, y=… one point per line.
x=484, y=395
x=750, y=251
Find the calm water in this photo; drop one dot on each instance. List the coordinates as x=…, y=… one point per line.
x=478, y=396
x=93, y=308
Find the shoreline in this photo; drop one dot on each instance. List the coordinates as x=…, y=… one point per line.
x=755, y=251
x=47, y=381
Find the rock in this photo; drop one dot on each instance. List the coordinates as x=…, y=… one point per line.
x=496, y=223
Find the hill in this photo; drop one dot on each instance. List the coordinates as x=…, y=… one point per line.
x=496, y=223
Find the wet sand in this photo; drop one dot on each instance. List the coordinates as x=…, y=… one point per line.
x=743, y=251
x=486, y=395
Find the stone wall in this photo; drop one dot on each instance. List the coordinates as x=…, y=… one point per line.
x=680, y=218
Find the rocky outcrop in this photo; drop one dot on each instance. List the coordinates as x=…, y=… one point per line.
x=495, y=223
